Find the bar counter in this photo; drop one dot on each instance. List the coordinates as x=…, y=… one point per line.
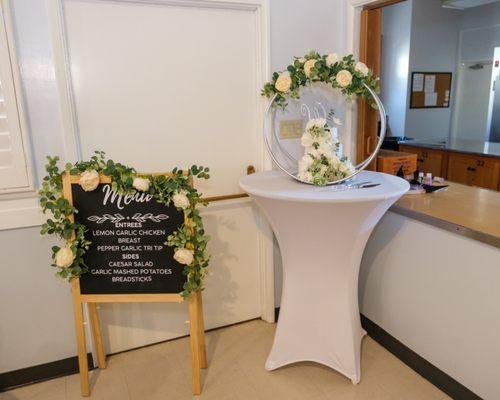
x=469, y=211
x=429, y=278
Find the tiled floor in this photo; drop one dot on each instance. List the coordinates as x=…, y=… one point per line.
x=236, y=371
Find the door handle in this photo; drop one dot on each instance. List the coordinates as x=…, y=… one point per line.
x=368, y=145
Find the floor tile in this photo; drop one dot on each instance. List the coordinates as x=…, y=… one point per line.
x=54, y=389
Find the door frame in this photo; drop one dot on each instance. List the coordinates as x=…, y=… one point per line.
x=72, y=146
x=362, y=17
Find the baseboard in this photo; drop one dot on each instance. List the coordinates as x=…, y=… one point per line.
x=42, y=372
x=434, y=375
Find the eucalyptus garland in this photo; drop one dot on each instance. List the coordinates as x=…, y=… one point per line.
x=189, y=241
x=342, y=73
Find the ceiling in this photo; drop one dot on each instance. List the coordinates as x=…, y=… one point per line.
x=463, y=4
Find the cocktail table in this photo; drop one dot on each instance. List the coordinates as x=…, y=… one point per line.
x=322, y=232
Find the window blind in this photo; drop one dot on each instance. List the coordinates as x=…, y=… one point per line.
x=13, y=165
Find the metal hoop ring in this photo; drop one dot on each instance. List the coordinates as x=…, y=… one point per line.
x=358, y=168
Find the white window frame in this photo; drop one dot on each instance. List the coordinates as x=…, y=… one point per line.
x=18, y=206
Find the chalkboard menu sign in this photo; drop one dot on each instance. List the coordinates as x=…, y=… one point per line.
x=128, y=254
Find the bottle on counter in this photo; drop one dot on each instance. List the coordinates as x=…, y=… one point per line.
x=420, y=177
x=428, y=179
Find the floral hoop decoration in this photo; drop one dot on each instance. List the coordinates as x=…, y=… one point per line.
x=323, y=162
x=189, y=241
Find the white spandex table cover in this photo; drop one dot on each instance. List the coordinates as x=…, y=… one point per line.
x=322, y=233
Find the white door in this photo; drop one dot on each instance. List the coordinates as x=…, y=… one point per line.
x=158, y=84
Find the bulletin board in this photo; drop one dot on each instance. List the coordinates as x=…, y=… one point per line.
x=430, y=89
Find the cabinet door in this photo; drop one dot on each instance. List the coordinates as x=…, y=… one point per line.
x=459, y=169
x=432, y=161
x=485, y=173
x=474, y=171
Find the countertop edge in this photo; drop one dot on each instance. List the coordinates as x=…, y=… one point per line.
x=448, y=226
x=440, y=148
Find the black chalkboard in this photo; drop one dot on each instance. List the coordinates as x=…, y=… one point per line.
x=128, y=254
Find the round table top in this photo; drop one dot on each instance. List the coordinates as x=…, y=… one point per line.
x=277, y=185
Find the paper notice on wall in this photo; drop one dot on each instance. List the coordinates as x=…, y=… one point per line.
x=430, y=83
x=430, y=99
x=418, y=82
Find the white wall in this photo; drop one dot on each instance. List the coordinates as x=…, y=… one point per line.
x=434, y=41
x=35, y=308
x=436, y=292
x=298, y=26
x=396, y=30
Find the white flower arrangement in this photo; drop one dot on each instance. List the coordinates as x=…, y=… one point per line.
x=352, y=77
x=322, y=161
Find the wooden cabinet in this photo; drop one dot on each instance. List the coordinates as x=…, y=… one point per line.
x=429, y=160
x=482, y=171
x=474, y=171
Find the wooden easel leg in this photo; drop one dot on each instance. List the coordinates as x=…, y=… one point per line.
x=96, y=334
x=80, y=338
x=195, y=343
x=201, y=332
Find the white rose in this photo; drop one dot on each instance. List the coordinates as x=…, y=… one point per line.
x=306, y=176
x=89, y=180
x=184, y=256
x=283, y=82
x=333, y=160
x=64, y=257
x=361, y=68
x=314, y=152
x=302, y=167
x=302, y=60
x=181, y=200
x=323, y=140
x=344, y=78
x=315, y=122
x=325, y=149
x=305, y=162
x=141, y=184
x=332, y=59
x=307, y=159
x=346, y=167
x=306, y=140
x=309, y=64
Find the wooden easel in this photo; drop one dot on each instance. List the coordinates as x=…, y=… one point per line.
x=196, y=326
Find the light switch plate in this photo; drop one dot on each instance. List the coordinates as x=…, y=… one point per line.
x=290, y=128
